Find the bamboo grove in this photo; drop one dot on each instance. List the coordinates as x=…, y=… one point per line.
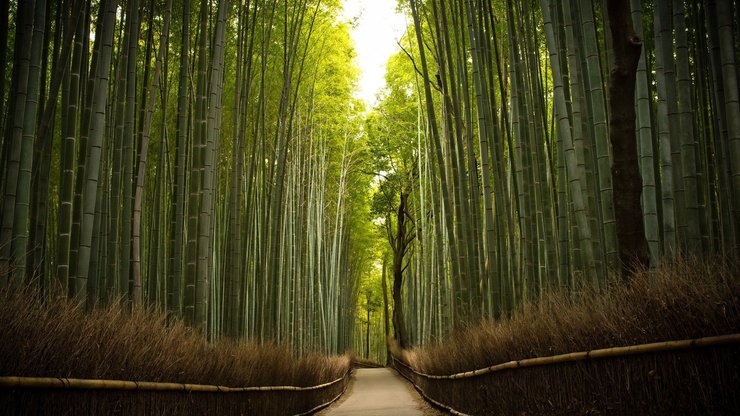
x=200, y=156
x=498, y=118
x=208, y=158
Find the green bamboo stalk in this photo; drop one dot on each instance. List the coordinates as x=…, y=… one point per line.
x=601, y=133
x=484, y=126
x=686, y=132
x=564, y=129
x=646, y=144
x=667, y=162
x=175, y=278
x=67, y=160
x=732, y=107
x=13, y=145
x=724, y=194
x=130, y=141
x=23, y=188
x=136, y=294
x=93, y=157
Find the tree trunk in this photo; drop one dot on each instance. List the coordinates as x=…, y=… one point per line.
x=367, y=330
x=633, y=249
x=399, y=325
x=385, y=306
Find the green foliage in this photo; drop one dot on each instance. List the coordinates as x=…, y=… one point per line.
x=274, y=193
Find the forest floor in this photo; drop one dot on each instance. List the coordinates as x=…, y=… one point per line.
x=380, y=391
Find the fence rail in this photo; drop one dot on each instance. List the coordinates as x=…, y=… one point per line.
x=587, y=355
x=125, y=385
x=714, y=341
x=421, y=391
x=89, y=384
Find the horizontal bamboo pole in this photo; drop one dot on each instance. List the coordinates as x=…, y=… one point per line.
x=327, y=404
x=587, y=355
x=88, y=384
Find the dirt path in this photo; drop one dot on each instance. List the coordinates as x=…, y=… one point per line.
x=380, y=391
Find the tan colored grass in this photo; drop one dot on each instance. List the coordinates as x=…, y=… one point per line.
x=681, y=300
x=61, y=339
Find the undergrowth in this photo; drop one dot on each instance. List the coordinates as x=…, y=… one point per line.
x=62, y=339
x=682, y=300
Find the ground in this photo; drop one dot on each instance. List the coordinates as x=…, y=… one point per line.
x=380, y=391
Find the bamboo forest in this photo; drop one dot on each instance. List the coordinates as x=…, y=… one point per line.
x=199, y=201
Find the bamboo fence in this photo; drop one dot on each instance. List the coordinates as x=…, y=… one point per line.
x=613, y=352
x=90, y=384
x=588, y=355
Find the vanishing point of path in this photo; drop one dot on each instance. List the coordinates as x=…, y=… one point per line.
x=380, y=391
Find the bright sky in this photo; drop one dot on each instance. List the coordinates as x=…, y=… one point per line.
x=378, y=29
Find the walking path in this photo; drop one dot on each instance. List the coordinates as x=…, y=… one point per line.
x=380, y=391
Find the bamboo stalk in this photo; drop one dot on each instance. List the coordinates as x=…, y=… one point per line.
x=89, y=384
x=714, y=341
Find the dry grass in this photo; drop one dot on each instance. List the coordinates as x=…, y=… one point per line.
x=60, y=339
x=684, y=300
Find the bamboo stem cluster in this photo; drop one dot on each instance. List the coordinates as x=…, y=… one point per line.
x=516, y=168
x=204, y=159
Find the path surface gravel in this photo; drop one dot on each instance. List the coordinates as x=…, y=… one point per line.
x=380, y=391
